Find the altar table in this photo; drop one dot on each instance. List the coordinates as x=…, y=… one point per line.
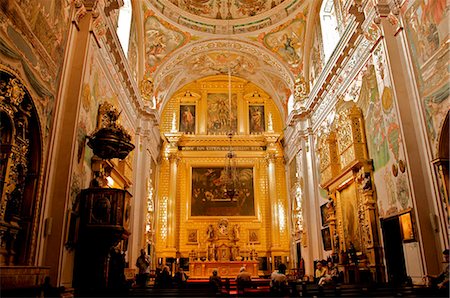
x=226, y=269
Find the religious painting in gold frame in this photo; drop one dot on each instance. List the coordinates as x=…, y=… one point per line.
x=406, y=227
x=187, y=118
x=219, y=119
x=256, y=119
x=348, y=201
x=326, y=238
x=192, y=236
x=208, y=198
x=253, y=236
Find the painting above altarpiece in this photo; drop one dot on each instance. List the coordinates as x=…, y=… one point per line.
x=208, y=198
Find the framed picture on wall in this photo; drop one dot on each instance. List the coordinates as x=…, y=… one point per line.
x=253, y=236
x=256, y=119
x=326, y=238
x=208, y=199
x=187, y=118
x=406, y=227
x=192, y=236
x=325, y=212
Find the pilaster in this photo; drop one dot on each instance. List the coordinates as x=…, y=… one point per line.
x=62, y=146
x=424, y=188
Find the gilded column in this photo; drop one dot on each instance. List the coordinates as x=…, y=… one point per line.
x=203, y=109
x=273, y=197
x=275, y=232
x=172, y=153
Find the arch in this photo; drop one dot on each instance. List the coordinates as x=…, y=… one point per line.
x=268, y=70
x=20, y=198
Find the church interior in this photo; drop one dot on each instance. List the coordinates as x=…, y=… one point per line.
x=220, y=134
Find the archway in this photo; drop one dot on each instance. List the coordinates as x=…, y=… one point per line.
x=21, y=161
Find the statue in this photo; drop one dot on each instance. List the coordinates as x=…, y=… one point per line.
x=174, y=122
x=223, y=227
x=270, y=123
x=352, y=254
x=210, y=233
x=236, y=232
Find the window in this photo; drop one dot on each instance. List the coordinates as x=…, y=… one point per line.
x=329, y=25
x=124, y=25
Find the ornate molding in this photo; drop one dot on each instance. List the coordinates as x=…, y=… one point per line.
x=174, y=65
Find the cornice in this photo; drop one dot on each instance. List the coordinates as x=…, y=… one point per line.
x=105, y=34
x=223, y=141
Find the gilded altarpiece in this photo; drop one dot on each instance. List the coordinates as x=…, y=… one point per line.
x=189, y=159
x=346, y=173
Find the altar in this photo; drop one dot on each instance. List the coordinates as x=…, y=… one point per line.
x=226, y=269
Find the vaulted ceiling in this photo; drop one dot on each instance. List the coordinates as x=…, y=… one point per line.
x=178, y=41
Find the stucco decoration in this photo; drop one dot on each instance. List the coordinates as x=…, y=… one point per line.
x=287, y=42
x=210, y=57
x=227, y=16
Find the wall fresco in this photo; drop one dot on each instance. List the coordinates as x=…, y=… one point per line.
x=95, y=90
x=49, y=20
x=384, y=138
x=427, y=32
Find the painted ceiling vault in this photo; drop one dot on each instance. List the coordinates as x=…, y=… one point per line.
x=261, y=41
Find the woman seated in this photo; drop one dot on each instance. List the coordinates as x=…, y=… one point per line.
x=320, y=271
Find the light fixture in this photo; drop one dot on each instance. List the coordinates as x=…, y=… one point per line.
x=230, y=182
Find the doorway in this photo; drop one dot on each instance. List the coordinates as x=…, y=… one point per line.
x=393, y=250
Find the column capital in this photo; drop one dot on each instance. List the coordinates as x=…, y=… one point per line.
x=173, y=138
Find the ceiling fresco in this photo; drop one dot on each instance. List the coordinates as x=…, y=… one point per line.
x=226, y=16
x=287, y=42
x=212, y=63
x=226, y=9
x=160, y=39
x=261, y=41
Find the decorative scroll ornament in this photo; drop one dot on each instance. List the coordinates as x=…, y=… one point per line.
x=300, y=89
x=146, y=88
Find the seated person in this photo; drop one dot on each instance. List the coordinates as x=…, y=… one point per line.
x=320, y=271
x=243, y=279
x=180, y=278
x=164, y=278
x=331, y=275
x=278, y=281
x=441, y=281
x=215, y=281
